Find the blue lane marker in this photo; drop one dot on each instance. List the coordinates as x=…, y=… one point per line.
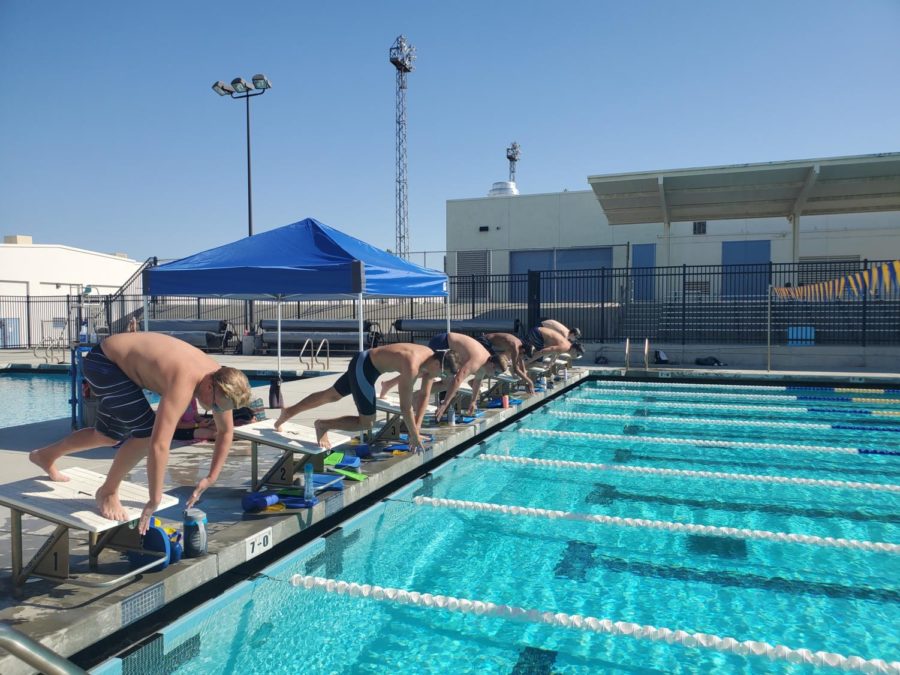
x=876, y=451
x=839, y=410
x=860, y=427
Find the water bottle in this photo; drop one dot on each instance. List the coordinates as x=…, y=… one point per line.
x=194, y=533
x=309, y=491
x=451, y=417
x=565, y=374
x=83, y=333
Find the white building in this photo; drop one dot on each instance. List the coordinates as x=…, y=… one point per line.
x=840, y=209
x=52, y=271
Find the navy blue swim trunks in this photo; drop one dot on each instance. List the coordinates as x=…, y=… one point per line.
x=123, y=410
x=359, y=380
x=535, y=338
x=440, y=342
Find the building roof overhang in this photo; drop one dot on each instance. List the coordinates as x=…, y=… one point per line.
x=832, y=185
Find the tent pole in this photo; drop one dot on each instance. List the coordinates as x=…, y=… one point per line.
x=275, y=398
x=447, y=303
x=146, y=313
x=359, y=314
x=279, y=338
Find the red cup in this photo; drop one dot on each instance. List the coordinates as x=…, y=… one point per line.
x=505, y=400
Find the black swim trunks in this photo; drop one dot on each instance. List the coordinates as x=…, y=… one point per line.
x=359, y=380
x=535, y=338
x=484, y=342
x=123, y=409
x=440, y=342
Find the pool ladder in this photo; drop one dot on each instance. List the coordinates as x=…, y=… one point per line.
x=35, y=654
x=646, y=353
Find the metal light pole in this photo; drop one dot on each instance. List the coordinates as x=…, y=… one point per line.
x=240, y=88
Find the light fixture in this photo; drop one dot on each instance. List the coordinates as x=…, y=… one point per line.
x=223, y=89
x=261, y=82
x=241, y=86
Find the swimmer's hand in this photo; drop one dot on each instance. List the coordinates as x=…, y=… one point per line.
x=282, y=418
x=416, y=445
x=147, y=516
x=200, y=489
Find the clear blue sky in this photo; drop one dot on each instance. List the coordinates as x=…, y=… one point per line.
x=114, y=141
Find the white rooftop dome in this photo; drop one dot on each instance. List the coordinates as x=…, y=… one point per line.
x=504, y=188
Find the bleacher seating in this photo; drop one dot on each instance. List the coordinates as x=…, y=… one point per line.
x=340, y=333
x=206, y=334
x=429, y=327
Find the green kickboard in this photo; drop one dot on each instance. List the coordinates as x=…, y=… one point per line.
x=355, y=475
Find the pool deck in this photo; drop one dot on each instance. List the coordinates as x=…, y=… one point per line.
x=69, y=618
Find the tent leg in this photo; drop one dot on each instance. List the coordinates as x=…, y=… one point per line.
x=359, y=314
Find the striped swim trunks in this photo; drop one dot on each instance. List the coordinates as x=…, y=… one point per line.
x=123, y=410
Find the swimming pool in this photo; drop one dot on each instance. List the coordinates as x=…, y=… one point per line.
x=742, y=513
x=33, y=397
x=38, y=397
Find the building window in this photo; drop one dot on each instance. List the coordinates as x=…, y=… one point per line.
x=699, y=227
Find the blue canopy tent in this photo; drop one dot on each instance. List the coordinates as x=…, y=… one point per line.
x=307, y=260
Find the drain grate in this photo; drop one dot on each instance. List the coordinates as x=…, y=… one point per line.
x=143, y=603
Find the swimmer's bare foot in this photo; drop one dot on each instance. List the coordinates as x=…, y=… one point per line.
x=385, y=388
x=322, y=436
x=48, y=466
x=109, y=505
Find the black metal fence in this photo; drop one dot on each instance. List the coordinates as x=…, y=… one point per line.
x=688, y=304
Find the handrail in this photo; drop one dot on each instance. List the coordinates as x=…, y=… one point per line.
x=35, y=654
x=152, y=261
x=303, y=349
x=324, y=343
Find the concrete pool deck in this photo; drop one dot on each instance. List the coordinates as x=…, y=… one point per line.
x=69, y=618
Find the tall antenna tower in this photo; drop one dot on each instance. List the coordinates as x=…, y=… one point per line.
x=512, y=154
x=402, y=55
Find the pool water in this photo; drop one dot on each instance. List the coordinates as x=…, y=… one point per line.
x=31, y=398
x=37, y=397
x=843, y=599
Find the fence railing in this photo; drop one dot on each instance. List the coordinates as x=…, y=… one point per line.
x=687, y=304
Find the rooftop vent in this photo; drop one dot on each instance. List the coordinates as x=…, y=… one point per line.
x=17, y=239
x=504, y=188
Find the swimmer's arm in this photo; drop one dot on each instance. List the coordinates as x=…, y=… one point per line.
x=170, y=409
x=424, y=394
x=406, y=396
x=224, y=435
x=475, y=384
x=523, y=373
x=455, y=384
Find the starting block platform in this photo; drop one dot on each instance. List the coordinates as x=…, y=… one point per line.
x=71, y=506
x=293, y=438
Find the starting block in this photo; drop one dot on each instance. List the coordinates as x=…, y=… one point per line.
x=71, y=506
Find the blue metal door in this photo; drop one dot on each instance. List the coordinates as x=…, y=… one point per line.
x=746, y=268
x=520, y=262
x=9, y=333
x=582, y=287
x=643, y=262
